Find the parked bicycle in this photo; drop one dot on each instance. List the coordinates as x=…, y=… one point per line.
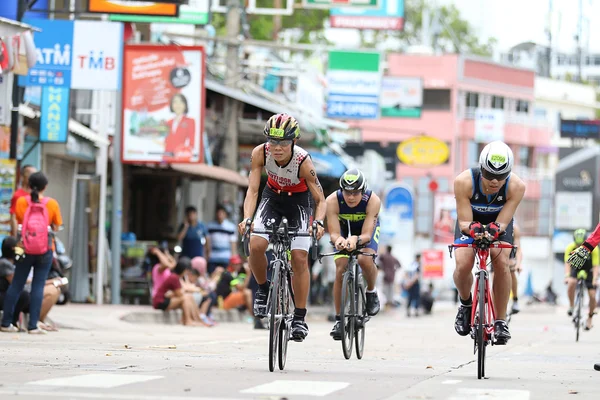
x=483, y=314
x=280, y=303
x=353, y=313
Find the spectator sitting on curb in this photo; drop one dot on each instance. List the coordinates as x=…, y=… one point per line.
x=170, y=295
x=206, y=283
x=188, y=283
x=233, y=286
x=162, y=264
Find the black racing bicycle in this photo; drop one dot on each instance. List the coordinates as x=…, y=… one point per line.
x=353, y=311
x=280, y=302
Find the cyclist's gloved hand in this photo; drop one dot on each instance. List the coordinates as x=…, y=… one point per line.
x=579, y=256
x=493, y=229
x=475, y=229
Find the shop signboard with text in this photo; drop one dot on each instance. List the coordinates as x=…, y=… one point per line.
x=132, y=7
x=196, y=12
x=388, y=15
x=163, y=104
x=401, y=97
x=73, y=54
x=432, y=262
x=54, y=118
x=353, y=84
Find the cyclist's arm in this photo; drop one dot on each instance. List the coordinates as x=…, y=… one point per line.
x=515, y=193
x=333, y=223
x=463, y=188
x=307, y=171
x=373, y=208
x=257, y=164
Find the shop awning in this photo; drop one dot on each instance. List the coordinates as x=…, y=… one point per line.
x=75, y=127
x=212, y=172
x=269, y=105
x=328, y=164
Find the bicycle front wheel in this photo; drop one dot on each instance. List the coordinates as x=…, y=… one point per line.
x=347, y=313
x=361, y=319
x=274, y=321
x=481, y=336
x=579, y=300
x=286, y=320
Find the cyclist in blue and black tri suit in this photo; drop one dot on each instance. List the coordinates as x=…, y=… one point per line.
x=486, y=200
x=357, y=206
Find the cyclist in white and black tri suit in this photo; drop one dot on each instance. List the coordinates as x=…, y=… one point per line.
x=291, y=180
x=486, y=200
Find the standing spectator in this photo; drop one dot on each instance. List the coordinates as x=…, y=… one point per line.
x=192, y=235
x=29, y=206
x=24, y=190
x=222, y=240
x=412, y=285
x=389, y=264
x=7, y=273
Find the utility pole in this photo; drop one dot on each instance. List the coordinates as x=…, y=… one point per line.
x=549, y=33
x=232, y=107
x=16, y=100
x=116, y=225
x=578, y=38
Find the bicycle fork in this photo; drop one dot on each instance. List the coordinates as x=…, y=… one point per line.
x=488, y=314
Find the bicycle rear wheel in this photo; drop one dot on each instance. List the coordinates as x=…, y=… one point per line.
x=274, y=322
x=361, y=318
x=579, y=300
x=284, y=331
x=481, y=336
x=347, y=315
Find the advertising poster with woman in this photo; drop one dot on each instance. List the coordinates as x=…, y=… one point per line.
x=444, y=218
x=163, y=104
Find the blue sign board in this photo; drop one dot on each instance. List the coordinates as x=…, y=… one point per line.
x=580, y=129
x=54, y=119
x=53, y=45
x=400, y=198
x=358, y=107
x=387, y=8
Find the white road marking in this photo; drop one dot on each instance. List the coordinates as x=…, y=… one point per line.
x=96, y=380
x=489, y=394
x=299, y=388
x=113, y=396
x=451, y=382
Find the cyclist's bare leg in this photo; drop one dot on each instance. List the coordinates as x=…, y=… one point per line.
x=463, y=276
x=258, y=258
x=369, y=270
x=502, y=282
x=515, y=283
x=592, y=294
x=301, y=280
x=340, y=267
x=571, y=285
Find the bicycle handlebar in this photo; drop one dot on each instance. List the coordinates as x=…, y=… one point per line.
x=348, y=253
x=483, y=244
x=281, y=230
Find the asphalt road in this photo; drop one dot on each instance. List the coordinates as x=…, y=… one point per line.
x=97, y=356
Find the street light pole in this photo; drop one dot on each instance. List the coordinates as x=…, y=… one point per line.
x=16, y=100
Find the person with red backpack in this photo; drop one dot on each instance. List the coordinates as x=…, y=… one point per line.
x=37, y=215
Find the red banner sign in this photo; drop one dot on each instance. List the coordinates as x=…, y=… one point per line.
x=432, y=262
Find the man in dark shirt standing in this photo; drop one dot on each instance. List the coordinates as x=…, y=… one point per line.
x=192, y=235
x=389, y=264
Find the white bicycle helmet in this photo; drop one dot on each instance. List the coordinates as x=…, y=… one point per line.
x=496, y=161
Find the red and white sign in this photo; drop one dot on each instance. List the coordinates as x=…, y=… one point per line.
x=362, y=22
x=432, y=263
x=163, y=104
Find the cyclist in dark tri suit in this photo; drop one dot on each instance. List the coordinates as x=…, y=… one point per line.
x=353, y=203
x=486, y=200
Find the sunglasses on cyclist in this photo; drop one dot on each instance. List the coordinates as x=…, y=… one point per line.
x=490, y=177
x=280, y=142
x=352, y=192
